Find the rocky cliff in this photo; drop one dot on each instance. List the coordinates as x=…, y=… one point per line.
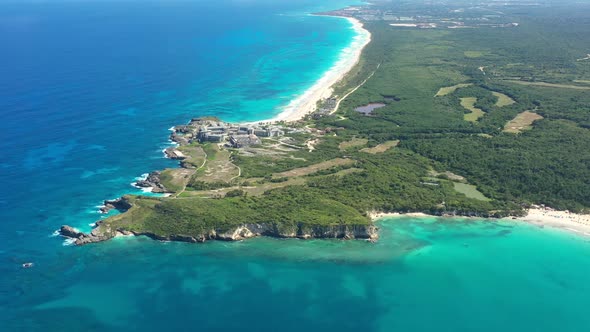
x=118, y=204
x=103, y=232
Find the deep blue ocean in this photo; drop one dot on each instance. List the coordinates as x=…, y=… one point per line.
x=88, y=90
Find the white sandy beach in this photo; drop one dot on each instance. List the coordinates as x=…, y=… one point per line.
x=577, y=223
x=380, y=215
x=542, y=217
x=322, y=89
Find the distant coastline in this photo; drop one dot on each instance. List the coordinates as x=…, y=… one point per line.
x=306, y=103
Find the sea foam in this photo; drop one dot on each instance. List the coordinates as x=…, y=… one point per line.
x=347, y=59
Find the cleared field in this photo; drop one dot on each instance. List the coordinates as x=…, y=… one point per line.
x=314, y=168
x=470, y=191
x=521, y=122
x=450, y=89
x=381, y=147
x=218, y=167
x=251, y=190
x=551, y=85
x=469, y=104
x=503, y=100
x=355, y=142
x=176, y=179
x=195, y=156
x=258, y=189
x=449, y=175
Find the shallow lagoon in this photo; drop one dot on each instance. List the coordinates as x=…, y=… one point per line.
x=369, y=108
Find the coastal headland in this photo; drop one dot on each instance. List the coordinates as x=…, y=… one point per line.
x=207, y=198
x=386, y=132
x=234, y=136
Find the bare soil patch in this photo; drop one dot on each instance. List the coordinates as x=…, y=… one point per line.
x=314, y=168
x=521, y=122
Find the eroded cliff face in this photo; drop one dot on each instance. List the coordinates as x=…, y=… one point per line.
x=299, y=231
x=103, y=232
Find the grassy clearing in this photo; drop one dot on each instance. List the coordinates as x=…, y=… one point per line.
x=470, y=191
x=355, y=142
x=315, y=168
x=450, y=89
x=447, y=175
x=253, y=190
x=134, y=218
x=381, y=147
x=176, y=179
x=218, y=167
x=195, y=155
x=503, y=100
x=257, y=188
x=550, y=85
x=469, y=104
x=521, y=122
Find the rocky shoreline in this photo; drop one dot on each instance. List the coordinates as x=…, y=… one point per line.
x=115, y=204
x=152, y=181
x=102, y=233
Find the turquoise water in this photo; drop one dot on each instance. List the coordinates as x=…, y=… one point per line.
x=87, y=92
x=423, y=275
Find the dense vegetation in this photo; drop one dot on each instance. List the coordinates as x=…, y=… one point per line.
x=549, y=164
x=194, y=217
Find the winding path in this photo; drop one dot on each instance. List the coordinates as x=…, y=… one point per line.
x=353, y=90
x=184, y=187
x=239, y=173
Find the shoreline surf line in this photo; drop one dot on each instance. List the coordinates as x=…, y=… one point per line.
x=542, y=217
x=306, y=103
